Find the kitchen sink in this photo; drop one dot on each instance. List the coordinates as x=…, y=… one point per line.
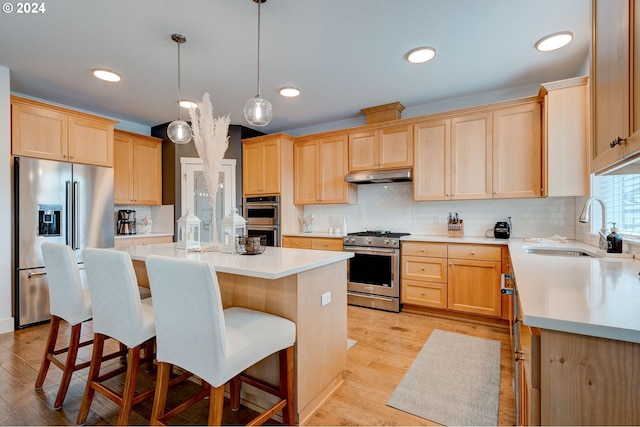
x=567, y=252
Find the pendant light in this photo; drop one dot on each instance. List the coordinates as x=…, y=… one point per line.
x=257, y=110
x=179, y=131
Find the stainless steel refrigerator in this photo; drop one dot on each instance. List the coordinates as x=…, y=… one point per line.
x=56, y=202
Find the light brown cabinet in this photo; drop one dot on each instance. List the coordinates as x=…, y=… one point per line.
x=137, y=241
x=615, y=72
x=50, y=132
x=320, y=243
x=457, y=277
x=424, y=274
x=479, y=155
x=474, y=279
x=137, y=170
x=263, y=168
x=453, y=158
x=565, y=138
x=319, y=167
x=517, y=152
x=388, y=147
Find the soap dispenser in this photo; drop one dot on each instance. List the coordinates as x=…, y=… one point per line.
x=614, y=241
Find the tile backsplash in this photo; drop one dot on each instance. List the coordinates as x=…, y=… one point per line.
x=390, y=207
x=162, y=216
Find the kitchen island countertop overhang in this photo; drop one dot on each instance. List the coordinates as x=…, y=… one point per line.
x=274, y=263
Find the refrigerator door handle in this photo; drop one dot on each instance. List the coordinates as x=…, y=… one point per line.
x=69, y=210
x=76, y=191
x=31, y=274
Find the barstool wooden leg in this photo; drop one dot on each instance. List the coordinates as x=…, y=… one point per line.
x=162, y=386
x=234, y=393
x=48, y=351
x=133, y=362
x=94, y=373
x=287, y=387
x=70, y=364
x=216, y=404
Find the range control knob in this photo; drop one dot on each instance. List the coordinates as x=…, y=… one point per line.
x=386, y=241
x=394, y=242
x=368, y=240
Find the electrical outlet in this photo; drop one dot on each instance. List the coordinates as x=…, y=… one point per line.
x=326, y=298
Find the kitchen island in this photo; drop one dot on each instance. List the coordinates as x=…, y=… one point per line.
x=308, y=287
x=579, y=336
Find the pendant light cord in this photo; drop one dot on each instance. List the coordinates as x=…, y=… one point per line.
x=259, y=1
x=179, y=99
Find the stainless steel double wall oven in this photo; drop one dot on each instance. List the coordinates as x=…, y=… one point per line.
x=373, y=274
x=263, y=217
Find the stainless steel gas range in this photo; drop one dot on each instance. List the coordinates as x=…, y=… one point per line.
x=373, y=274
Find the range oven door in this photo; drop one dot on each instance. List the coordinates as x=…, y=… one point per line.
x=373, y=271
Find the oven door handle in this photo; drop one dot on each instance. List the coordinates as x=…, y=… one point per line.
x=378, y=297
x=366, y=249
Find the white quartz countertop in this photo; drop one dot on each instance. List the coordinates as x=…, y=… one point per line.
x=590, y=296
x=135, y=236
x=274, y=263
x=447, y=239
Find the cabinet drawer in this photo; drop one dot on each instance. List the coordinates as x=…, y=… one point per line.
x=438, y=250
x=424, y=268
x=326, y=244
x=483, y=252
x=296, y=242
x=424, y=293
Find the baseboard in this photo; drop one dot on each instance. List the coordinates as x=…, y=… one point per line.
x=6, y=325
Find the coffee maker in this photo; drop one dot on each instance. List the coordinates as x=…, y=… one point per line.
x=126, y=221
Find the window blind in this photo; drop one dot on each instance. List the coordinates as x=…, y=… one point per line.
x=621, y=194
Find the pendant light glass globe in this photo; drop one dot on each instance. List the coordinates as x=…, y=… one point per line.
x=179, y=132
x=258, y=111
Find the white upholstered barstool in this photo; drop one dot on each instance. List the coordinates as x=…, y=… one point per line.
x=68, y=301
x=119, y=313
x=197, y=335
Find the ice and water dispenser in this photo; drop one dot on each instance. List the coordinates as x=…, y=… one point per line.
x=49, y=220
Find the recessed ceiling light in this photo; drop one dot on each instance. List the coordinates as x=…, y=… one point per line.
x=554, y=41
x=289, y=91
x=421, y=54
x=106, y=75
x=187, y=103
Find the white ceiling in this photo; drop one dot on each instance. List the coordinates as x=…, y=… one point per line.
x=343, y=54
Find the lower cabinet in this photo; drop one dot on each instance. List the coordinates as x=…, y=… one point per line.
x=136, y=241
x=456, y=277
x=321, y=243
x=474, y=279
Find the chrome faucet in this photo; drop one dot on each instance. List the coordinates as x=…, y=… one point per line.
x=584, y=218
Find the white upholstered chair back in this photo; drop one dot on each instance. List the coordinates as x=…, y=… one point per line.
x=190, y=325
x=67, y=299
x=116, y=302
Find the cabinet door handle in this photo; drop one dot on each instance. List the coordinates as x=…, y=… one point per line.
x=617, y=141
x=473, y=252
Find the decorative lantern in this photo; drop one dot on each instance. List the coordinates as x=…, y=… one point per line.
x=189, y=232
x=232, y=226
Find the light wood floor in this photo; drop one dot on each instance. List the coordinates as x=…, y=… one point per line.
x=387, y=344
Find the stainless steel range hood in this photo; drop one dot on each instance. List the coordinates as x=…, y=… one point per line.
x=378, y=177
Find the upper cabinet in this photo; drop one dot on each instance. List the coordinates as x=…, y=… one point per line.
x=137, y=171
x=615, y=73
x=319, y=167
x=517, y=151
x=388, y=147
x=479, y=155
x=265, y=159
x=565, y=138
x=50, y=132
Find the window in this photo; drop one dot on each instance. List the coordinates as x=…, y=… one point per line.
x=621, y=194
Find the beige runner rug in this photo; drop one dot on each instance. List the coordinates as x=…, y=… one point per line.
x=454, y=380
